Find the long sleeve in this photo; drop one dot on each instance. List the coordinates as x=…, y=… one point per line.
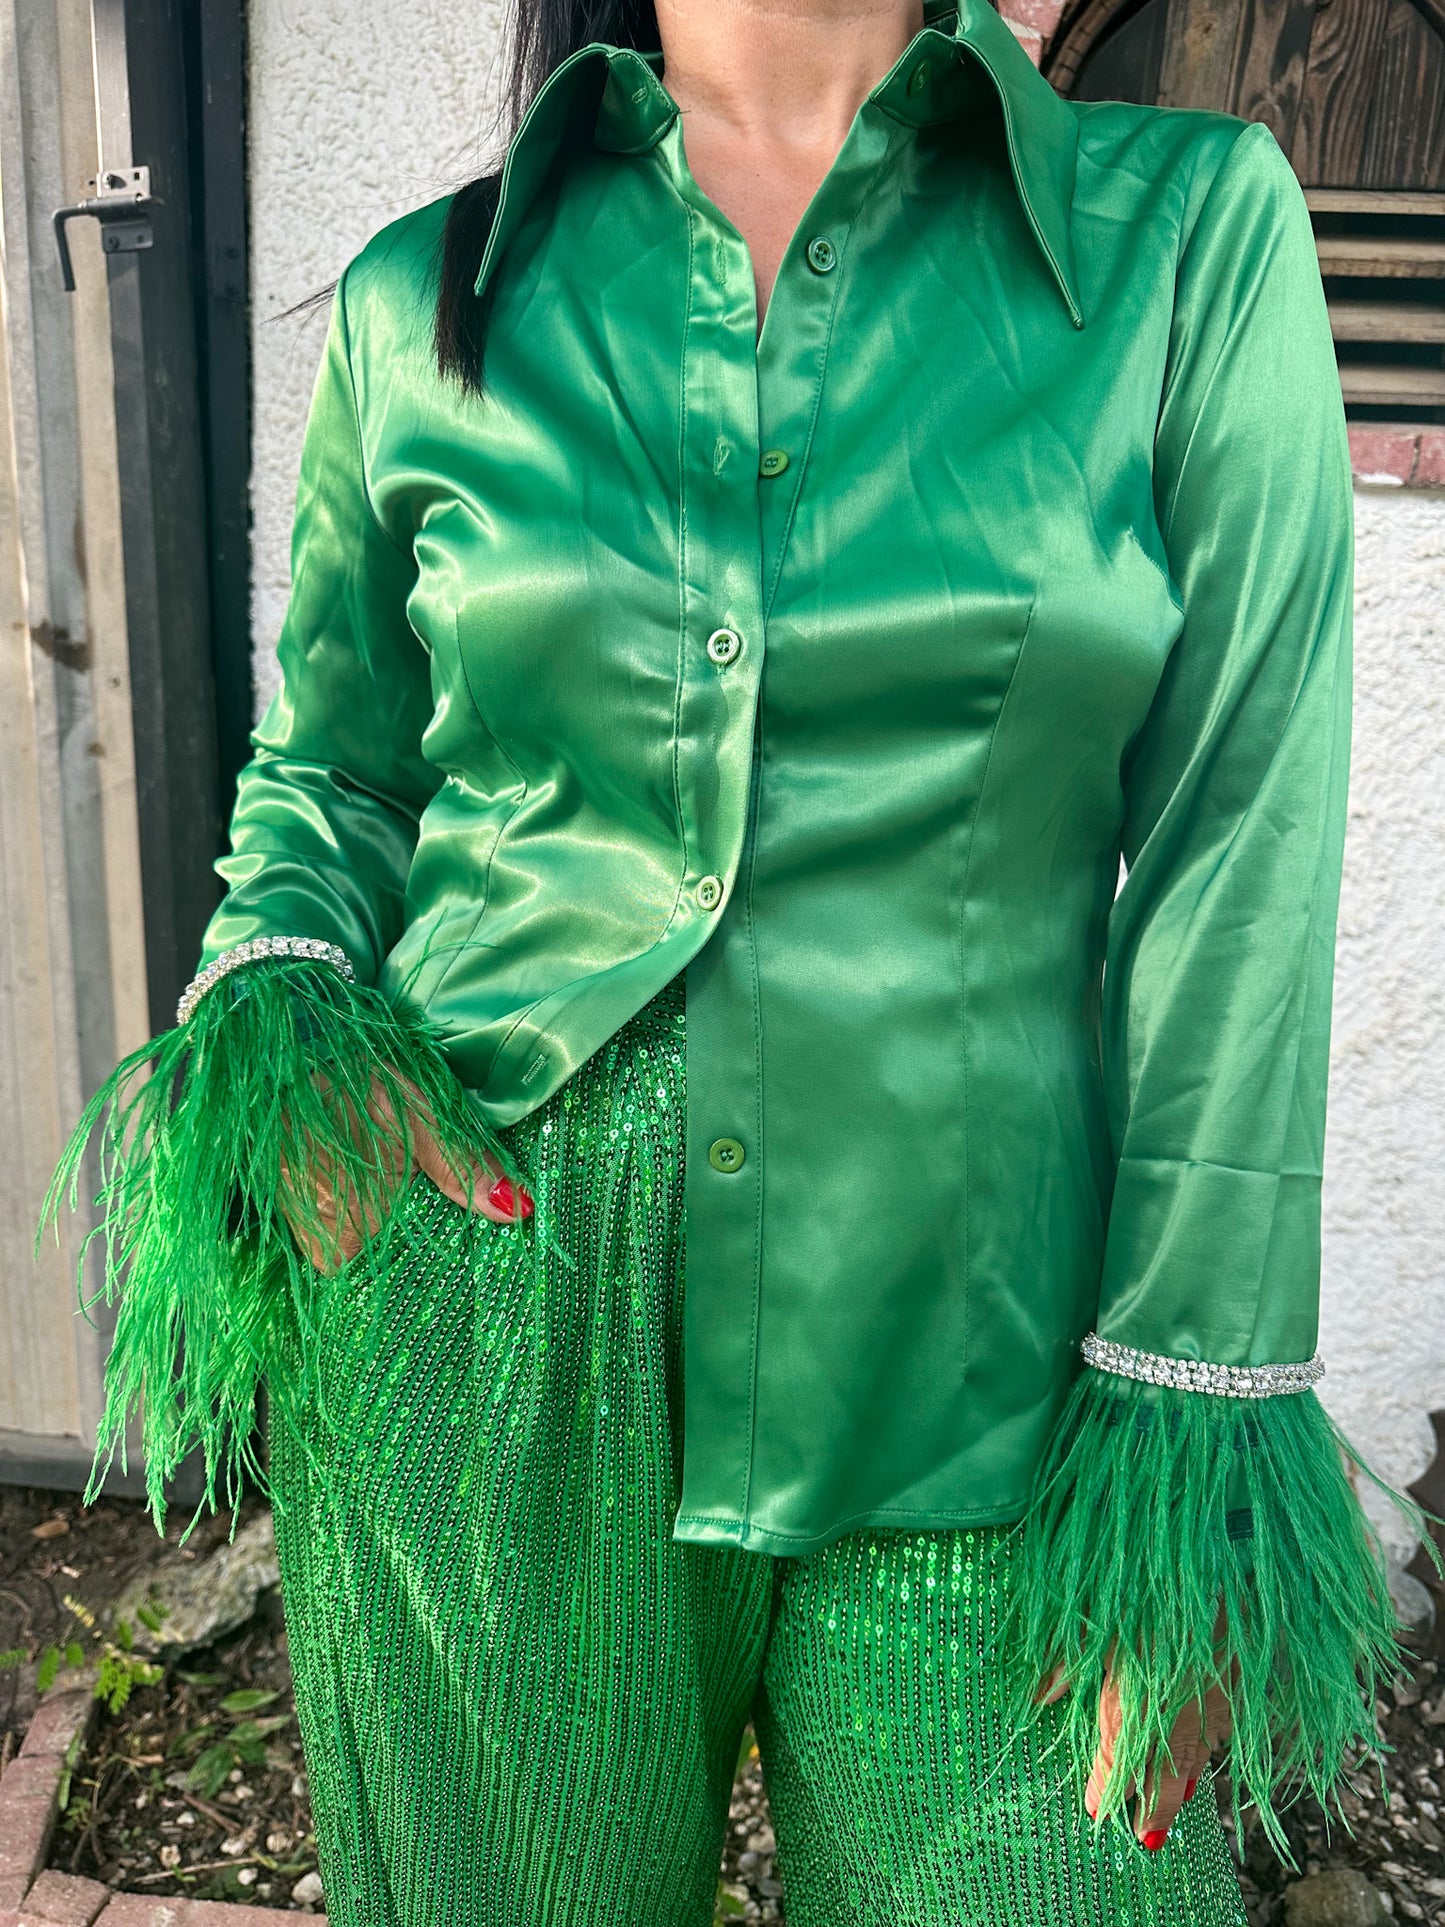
x=285, y=1061
x=1182, y=1495
x=326, y=816
x=1221, y=941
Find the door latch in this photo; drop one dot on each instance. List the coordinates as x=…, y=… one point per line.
x=121, y=203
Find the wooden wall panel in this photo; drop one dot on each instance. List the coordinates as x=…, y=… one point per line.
x=1268, y=80
x=1199, y=52
x=1404, y=143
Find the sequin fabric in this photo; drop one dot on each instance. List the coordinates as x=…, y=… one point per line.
x=521, y=1700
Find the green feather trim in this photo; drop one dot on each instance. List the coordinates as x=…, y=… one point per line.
x=1154, y=1509
x=276, y=1070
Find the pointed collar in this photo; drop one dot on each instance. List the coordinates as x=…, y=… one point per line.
x=621, y=88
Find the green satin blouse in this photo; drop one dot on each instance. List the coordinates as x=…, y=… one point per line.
x=838, y=667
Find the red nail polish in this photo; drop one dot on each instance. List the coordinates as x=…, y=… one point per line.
x=503, y=1198
x=1155, y=1840
x=1189, y=1786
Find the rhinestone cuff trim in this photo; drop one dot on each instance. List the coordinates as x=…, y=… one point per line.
x=1191, y=1375
x=252, y=952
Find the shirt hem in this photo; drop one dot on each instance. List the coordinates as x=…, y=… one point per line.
x=694, y=1528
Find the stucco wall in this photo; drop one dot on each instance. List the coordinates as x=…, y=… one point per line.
x=1383, y=1333
x=352, y=123
x=356, y=114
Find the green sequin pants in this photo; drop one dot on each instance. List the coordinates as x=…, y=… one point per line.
x=521, y=1700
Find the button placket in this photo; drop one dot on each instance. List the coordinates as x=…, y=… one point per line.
x=756, y=398
x=792, y=351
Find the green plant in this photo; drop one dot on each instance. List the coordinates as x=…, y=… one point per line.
x=243, y=1746
x=120, y=1670
x=52, y=1658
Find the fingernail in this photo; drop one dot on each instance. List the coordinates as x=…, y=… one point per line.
x=1090, y=1808
x=1189, y=1786
x=1155, y=1840
x=503, y=1198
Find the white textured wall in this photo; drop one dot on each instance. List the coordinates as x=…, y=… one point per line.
x=1384, y=1290
x=356, y=116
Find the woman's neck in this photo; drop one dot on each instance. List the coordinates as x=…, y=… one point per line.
x=768, y=90
x=793, y=71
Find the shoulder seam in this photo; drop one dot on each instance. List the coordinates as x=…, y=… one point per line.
x=1247, y=132
x=1186, y=236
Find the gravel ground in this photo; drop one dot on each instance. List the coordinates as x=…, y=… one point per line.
x=750, y=1889
x=1399, y=1843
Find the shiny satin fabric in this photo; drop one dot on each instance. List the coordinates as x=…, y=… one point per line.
x=1059, y=568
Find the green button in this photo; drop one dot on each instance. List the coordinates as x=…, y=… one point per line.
x=774, y=461
x=918, y=79
x=710, y=892
x=821, y=254
x=725, y=1154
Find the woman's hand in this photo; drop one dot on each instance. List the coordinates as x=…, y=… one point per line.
x=1191, y=1743
x=488, y=1191
x=1169, y=1783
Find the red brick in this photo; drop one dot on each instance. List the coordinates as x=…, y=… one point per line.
x=1038, y=16
x=59, y=1719
x=27, y=1814
x=1430, y=464
x=64, y=1900
x=1032, y=45
x=138, y=1910
x=1382, y=452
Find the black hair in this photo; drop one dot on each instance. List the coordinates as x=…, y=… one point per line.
x=542, y=35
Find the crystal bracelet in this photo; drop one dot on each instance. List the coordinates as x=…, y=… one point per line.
x=1192, y=1375
x=257, y=948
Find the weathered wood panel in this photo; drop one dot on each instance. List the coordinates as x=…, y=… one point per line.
x=72, y=973
x=1271, y=58
x=1404, y=143
x=1344, y=64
